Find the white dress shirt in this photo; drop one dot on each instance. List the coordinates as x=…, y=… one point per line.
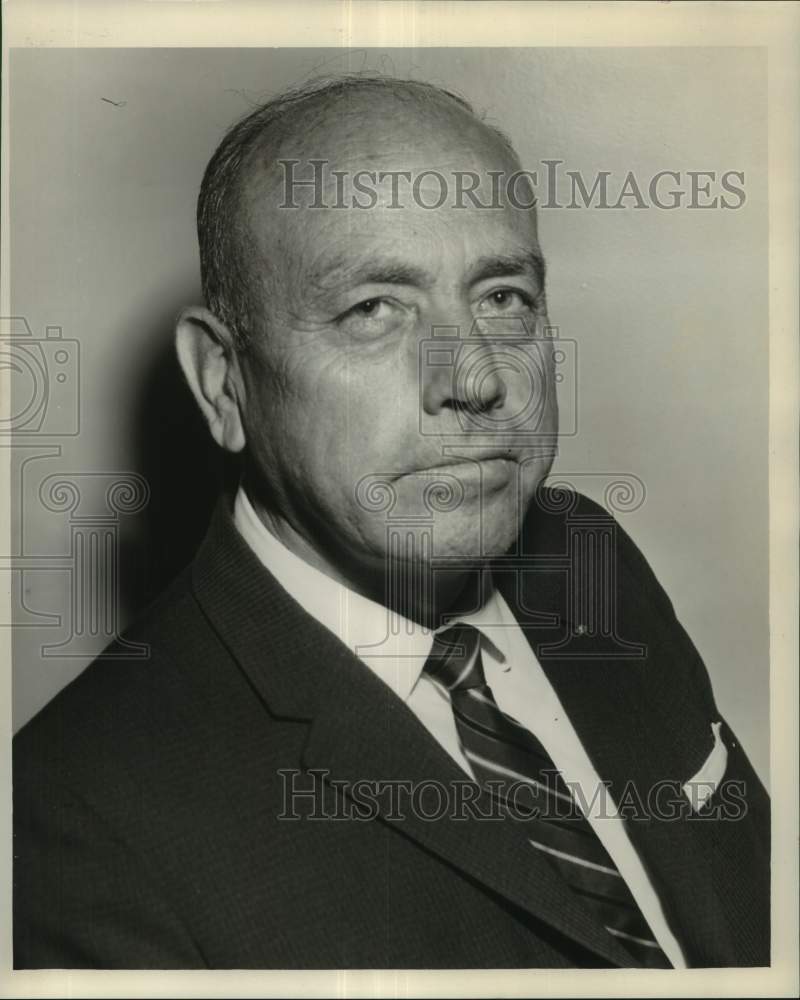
x=396, y=649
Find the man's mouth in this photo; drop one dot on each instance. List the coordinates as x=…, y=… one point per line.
x=473, y=459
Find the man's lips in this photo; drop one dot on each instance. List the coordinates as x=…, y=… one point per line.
x=451, y=461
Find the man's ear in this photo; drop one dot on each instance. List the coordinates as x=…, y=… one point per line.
x=207, y=355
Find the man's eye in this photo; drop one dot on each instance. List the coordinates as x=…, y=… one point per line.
x=505, y=302
x=368, y=307
x=371, y=318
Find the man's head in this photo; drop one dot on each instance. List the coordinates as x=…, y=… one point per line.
x=377, y=330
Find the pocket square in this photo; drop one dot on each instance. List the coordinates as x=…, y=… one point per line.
x=699, y=788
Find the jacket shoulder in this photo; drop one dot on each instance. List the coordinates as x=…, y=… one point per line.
x=557, y=516
x=109, y=702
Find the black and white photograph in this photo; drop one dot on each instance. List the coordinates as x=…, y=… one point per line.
x=398, y=448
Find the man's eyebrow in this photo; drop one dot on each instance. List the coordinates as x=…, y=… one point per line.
x=377, y=272
x=389, y=271
x=528, y=262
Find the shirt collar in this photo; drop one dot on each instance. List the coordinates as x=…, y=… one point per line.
x=393, y=647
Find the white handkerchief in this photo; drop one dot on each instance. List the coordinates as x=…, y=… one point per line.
x=702, y=786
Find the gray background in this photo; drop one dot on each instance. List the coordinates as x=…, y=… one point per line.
x=669, y=308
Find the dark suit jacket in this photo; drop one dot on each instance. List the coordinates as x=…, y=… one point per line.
x=148, y=792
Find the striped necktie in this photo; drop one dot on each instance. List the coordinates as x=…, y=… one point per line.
x=506, y=758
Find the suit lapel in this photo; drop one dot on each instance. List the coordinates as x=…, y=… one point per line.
x=361, y=731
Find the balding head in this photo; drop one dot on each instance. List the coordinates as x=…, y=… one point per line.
x=358, y=121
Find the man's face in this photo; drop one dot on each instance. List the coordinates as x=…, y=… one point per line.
x=351, y=401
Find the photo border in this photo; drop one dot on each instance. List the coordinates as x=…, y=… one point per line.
x=236, y=23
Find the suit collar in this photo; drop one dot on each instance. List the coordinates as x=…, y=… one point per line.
x=251, y=612
x=266, y=631
x=394, y=647
x=290, y=658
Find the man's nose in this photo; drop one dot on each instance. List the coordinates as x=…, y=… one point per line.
x=463, y=374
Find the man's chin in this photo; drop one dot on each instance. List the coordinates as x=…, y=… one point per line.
x=447, y=538
x=438, y=522
x=474, y=542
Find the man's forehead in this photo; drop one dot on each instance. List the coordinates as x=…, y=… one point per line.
x=362, y=174
x=336, y=242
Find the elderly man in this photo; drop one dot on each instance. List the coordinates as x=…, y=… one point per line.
x=381, y=724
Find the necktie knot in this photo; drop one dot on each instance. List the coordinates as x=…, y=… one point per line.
x=455, y=660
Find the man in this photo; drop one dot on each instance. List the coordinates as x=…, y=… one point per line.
x=388, y=720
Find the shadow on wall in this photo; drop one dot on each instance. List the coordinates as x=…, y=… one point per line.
x=186, y=472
